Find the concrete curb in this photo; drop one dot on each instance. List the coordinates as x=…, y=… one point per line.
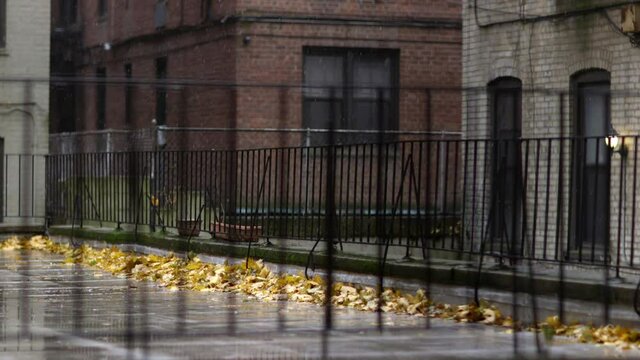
x=441, y=272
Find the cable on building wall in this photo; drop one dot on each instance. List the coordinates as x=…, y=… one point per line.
x=554, y=16
x=634, y=39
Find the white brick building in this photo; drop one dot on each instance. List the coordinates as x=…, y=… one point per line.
x=547, y=69
x=24, y=108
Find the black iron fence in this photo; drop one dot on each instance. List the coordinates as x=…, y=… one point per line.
x=549, y=199
x=279, y=192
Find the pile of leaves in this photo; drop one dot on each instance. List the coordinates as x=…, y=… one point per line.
x=612, y=335
x=256, y=280
x=253, y=279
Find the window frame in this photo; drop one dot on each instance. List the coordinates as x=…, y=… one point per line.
x=348, y=54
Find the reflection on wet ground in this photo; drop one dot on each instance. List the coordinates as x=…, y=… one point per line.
x=50, y=310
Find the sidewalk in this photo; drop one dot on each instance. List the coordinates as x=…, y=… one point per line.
x=585, y=291
x=87, y=313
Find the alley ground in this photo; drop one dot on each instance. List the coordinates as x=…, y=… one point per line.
x=50, y=310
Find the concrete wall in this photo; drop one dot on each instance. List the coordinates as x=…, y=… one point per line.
x=24, y=109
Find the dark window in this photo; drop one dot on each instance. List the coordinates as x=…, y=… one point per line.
x=103, y=8
x=160, y=16
x=505, y=96
x=592, y=162
x=161, y=91
x=101, y=98
x=68, y=12
x=128, y=95
x=63, y=104
x=3, y=23
x=357, y=87
x=206, y=9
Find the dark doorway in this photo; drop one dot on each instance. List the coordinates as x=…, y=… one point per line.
x=506, y=213
x=592, y=162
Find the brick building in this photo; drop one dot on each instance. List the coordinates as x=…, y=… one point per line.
x=550, y=82
x=24, y=110
x=245, y=64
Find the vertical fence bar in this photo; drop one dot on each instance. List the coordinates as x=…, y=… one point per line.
x=473, y=195
x=620, y=200
x=421, y=227
x=633, y=199
x=445, y=193
x=379, y=218
x=547, y=200
x=455, y=185
x=392, y=216
x=370, y=195
x=534, y=234
x=524, y=177
x=409, y=216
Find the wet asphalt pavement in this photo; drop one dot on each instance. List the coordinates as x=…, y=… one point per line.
x=50, y=310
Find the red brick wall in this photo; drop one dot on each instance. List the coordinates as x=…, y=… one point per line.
x=362, y=8
x=197, y=52
x=429, y=59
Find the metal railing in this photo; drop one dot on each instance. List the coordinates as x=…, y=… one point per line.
x=280, y=191
x=549, y=199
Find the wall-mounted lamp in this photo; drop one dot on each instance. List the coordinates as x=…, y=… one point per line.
x=614, y=142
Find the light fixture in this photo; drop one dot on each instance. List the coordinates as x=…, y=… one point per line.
x=613, y=141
